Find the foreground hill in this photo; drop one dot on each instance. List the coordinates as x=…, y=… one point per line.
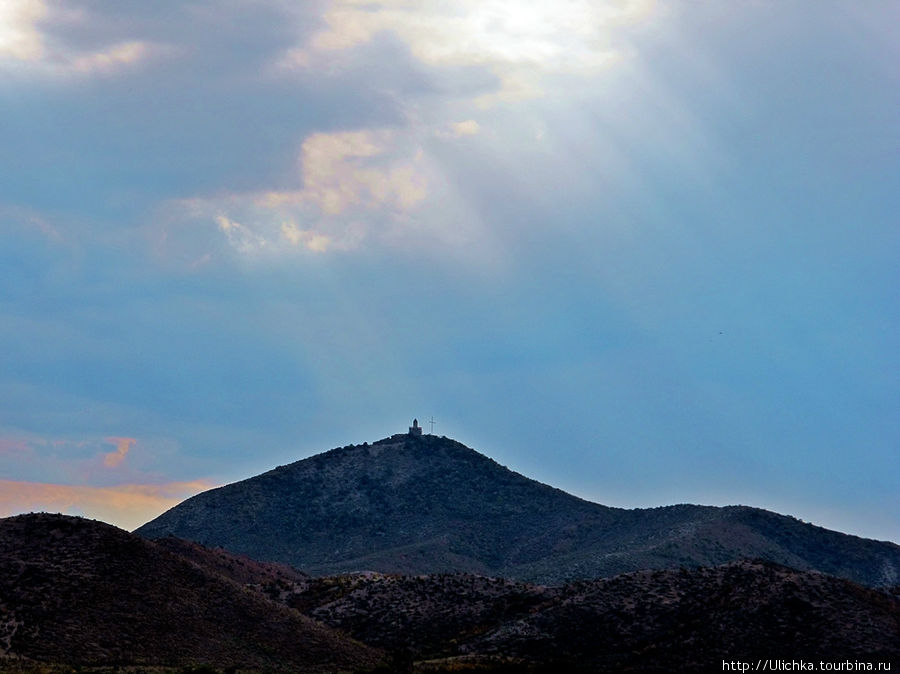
x=425, y=504
x=82, y=592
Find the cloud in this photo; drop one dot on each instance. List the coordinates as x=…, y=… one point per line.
x=305, y=237
x=241, y=238
x=338, y=173
x=19, y=37
x=519, y=42
x=82, y=458
x=350, y=182
x=23, y=42
x=113, y=459
x=111, y=59
x=468, y=127
x=127, y=506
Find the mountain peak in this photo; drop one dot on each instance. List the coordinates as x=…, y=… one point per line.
x=419, y=503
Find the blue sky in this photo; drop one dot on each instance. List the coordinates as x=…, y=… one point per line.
x=645, y=252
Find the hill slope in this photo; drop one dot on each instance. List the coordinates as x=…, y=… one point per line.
x=684, y=620
x=428, y=505
x=83, y=592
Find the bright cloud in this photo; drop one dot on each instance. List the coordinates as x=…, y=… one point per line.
x=337, y=175
x=127, y=506
x=307, y=238
x=350, y=182
x=113, y=459
x=468, y=127
x=519, y=41
x=368, y=182
x=19, y=36
x=241, y=238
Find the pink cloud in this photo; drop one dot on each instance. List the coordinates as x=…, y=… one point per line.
x=127, y=506
x=113, y=459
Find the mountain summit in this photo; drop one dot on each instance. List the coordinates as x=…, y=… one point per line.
x=415, y=503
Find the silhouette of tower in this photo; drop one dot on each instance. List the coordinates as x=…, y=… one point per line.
x=415, y=429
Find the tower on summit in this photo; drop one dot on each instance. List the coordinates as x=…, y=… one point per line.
x=415, y=429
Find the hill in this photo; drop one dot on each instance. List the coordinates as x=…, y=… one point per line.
x=81, y=592
x=672, y=620
x=426, y=504
x=85, y=595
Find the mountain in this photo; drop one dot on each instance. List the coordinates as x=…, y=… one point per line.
x=671, y=620
x=424, y=504
x=85, y=593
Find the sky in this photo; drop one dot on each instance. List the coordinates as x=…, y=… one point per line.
x=645, y=252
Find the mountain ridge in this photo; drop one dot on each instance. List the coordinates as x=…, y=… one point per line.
x=660, y=620
x=428, y=504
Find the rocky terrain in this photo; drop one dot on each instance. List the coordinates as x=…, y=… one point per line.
x=425, y=504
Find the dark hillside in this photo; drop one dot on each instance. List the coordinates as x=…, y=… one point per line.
x=83, y=592
x=239, y=568
x=664, y=620
x=425, y=504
